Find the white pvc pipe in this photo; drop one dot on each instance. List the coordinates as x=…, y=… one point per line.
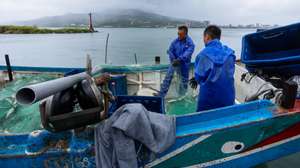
x=34, y=93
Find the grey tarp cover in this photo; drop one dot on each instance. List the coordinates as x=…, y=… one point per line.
x=115, y=137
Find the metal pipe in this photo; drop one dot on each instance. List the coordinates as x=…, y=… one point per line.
x=9, y=71
x=34, y=93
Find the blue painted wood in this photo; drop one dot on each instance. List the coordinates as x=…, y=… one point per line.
x=248, y=133
x=45, y=149
x=224, y=117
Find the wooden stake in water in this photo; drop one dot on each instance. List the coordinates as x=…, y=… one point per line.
x=135, y=58
x=88, y=64
x=106, y=46
x=157, y=60
x=9, y=71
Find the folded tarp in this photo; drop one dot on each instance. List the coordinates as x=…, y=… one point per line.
x=115, y=137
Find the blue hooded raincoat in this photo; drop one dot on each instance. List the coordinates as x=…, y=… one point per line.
x=214, y=72
x=182, y=50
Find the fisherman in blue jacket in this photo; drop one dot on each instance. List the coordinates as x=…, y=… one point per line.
x=180, y=55
x=214, y=72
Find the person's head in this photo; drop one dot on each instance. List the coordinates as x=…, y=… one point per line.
x=182, y=32
x=211, y=32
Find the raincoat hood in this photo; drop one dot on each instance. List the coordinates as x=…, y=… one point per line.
x=217, y=52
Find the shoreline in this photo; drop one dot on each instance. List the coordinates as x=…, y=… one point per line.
x=37, y=30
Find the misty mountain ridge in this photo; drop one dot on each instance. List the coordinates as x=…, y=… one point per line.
x=114, y=18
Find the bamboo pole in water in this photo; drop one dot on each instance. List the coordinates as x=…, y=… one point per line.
x=106, y=46
x=135, y=58
x=88, y=64
x=9, y=70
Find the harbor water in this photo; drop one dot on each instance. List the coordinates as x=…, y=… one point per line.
x=70, y=50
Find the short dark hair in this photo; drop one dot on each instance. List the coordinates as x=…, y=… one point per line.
x=213, y=31
x=183, y=27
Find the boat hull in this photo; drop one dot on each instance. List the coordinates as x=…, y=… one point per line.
x=266, y=137
x=243, y=134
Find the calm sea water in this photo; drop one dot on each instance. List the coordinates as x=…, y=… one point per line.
x=70, y=50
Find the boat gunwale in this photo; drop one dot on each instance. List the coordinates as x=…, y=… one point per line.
x=40, y=69
x=276, y=116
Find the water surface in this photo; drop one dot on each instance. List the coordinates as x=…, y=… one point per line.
x=70, y=50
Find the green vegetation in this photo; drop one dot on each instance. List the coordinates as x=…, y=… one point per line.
x=36, y=30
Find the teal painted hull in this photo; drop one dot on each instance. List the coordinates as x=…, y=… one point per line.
x=194, y=146
x=222, y=142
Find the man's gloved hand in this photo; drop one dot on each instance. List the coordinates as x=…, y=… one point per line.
x=193, y=83
x=176, y=62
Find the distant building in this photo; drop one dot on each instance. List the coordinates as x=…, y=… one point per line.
x=202, y=24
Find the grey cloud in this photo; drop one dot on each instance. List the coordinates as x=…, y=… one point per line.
x=218, y=11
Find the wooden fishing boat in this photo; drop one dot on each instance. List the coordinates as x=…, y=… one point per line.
x=263, y=125
x=242, y=135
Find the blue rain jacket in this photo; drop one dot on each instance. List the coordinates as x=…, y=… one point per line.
x=214, y=72
x=182, y=50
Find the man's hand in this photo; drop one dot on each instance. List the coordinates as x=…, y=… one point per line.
x=102, y=79
x=176, y=63
x=193, y=83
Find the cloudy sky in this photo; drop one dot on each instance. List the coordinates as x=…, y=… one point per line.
x=218, y=11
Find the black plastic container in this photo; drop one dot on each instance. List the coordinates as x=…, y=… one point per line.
x=151, y=103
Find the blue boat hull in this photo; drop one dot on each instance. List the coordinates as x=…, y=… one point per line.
x=195, y=134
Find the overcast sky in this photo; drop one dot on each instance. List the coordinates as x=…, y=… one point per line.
x=217, y=11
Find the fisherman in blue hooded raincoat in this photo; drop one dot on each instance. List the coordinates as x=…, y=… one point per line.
x=180, y=55
x=214, y=72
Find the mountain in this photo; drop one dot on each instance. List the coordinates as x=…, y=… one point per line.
x=114, y=18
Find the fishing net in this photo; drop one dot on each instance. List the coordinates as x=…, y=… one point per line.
x=182, y=105
x=179, y=103
x=14, y=117
x=129, y=68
